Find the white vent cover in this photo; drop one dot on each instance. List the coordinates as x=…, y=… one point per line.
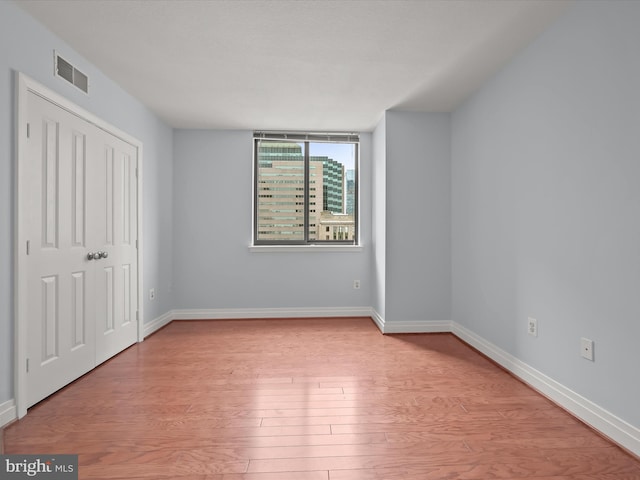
x=71, y=74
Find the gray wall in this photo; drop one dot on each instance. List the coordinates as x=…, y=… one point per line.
x=28, y=47
x=546, y=205
x=213, y=267
x=417, y=216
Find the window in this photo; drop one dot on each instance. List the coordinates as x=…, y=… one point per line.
x=305, y=185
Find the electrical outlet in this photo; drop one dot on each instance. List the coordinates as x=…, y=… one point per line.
x=532, y=326
x=152, y=294
x=356, y=284
x=586, y=348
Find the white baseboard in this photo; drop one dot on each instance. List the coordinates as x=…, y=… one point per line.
x=377, y=319
x=235, y=313
x=302, y=312
x=597, y=417
x=410, y=326
x=157, y=323
x=418, y=326
x=8, y=412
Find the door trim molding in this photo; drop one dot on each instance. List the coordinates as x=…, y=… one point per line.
x=23, y=85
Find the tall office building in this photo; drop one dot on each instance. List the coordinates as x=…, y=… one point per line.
x=350, y=192
x=332, y=184
x=280, y=183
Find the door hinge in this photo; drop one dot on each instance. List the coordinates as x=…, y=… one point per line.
x=27, y=365
x=136, y=172
x=138, y=315
x=28, y=130
x=28, y=247
x=136, y=244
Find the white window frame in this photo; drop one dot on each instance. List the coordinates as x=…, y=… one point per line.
x=306, y=244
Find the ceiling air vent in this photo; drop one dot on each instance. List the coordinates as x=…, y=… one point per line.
x=71, y=74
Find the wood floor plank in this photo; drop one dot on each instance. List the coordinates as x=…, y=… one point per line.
x=142, y=474
x=310, y=399
x=396, y=418
x=159, y=440
x=465, y=472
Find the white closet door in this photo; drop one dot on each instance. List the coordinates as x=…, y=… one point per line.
x=61, y=333
x=82, y=200
x=116, y=275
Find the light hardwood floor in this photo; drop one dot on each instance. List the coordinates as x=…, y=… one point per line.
x=310, y=399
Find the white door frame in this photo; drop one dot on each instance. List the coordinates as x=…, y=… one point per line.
x=24, y=85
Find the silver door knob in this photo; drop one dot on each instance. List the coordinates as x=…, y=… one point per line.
x=92, y=256
x=103, y=254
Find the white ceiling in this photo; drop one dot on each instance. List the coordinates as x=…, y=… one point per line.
x=295, y=64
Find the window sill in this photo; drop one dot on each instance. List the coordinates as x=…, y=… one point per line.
x=304, y=248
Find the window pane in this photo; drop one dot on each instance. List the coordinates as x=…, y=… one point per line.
x=280, y=191
x=332, y=191
x=306, y=190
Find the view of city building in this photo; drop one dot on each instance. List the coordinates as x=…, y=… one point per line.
x=280, y=202
x=351, y=191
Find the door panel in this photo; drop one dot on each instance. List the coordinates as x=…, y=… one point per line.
x=50, y=320
x=78, y=310
x=78, y=189
x=50, y=173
